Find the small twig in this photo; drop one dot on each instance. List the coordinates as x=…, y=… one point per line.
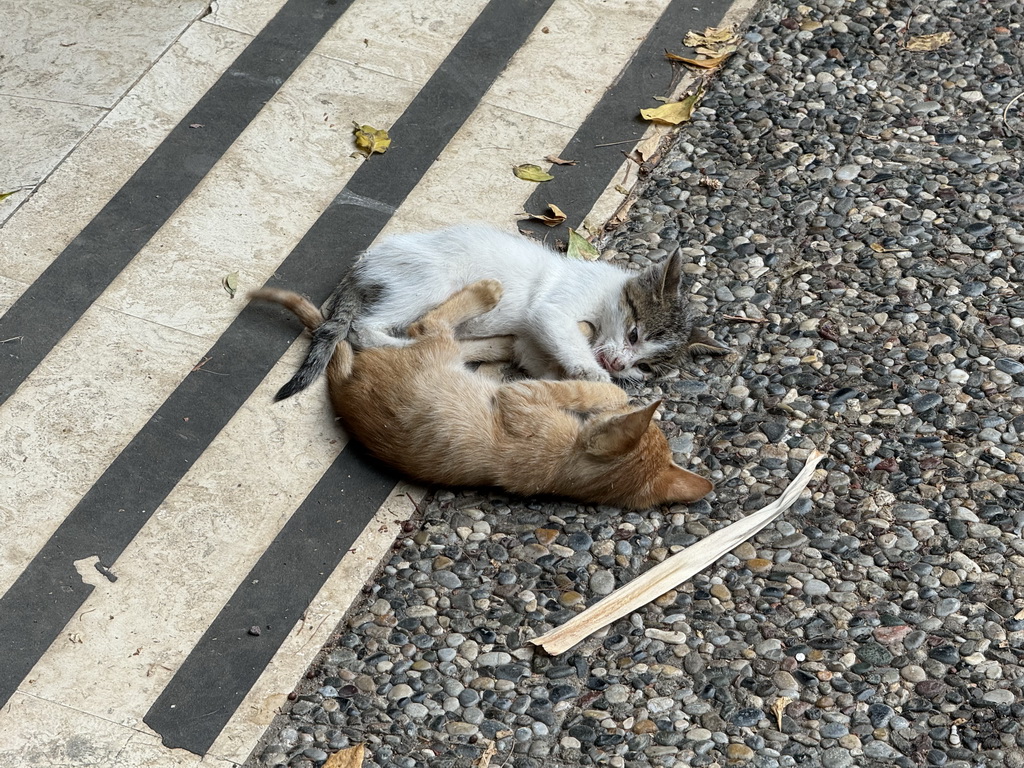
x=201, y=363
x=13, y=338
x=624, y=141
x=745, y=319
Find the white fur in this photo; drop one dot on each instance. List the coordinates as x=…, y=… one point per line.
x=545, y=296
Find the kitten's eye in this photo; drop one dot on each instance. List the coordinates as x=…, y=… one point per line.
x=634, y=335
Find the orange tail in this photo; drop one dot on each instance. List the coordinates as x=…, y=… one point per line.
x=300, y=305
x=340, y=366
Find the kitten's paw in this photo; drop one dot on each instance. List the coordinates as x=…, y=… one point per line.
x=588, y=374
x=488, y=292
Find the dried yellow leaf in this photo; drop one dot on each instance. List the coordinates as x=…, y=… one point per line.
x=778, y=708
x=370, y=139
x=556, y=217
x=484, y=761
x=346, y=758
x=929, y=42
x=530, y=172
x=230, y=283
x=674, y=113
x=5, y=195
x=718, y=50
x=710, y=36
x=581, y=248
x=556, y=160
x=711, y=63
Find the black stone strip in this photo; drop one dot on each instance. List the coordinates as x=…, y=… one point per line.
x=49, y=591
x=616, y=118
x=75, y=279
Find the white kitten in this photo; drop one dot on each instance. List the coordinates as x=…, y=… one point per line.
x=636, y=317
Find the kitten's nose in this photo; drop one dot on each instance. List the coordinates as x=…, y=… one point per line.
x=616, y=364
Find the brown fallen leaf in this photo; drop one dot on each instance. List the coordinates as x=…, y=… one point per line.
x=556, y=217
x=346, y=758
x=929, y=42
x=675, y=112
x=370, y=139
x=711, y=63
x=648, y=148
x=581, y=248
x=556, y=160
x=530, y=172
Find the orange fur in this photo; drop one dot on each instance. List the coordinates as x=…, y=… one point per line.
x=419, y=409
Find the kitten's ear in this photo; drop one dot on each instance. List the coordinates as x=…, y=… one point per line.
x=671, y=274
x=702, y=344
x=683, y=485
x=614, y=436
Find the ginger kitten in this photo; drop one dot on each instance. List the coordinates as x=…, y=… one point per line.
x=419, y=409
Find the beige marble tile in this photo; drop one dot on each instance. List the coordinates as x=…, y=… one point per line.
x=144, y=750
x=88, y=52
x=403, y=40
x=106, y=159
x=472, y=178
x=409, y=41
x=247, y=16
x=560, y=75
x=10, y=290
x=74, y=414
x=130, y=636
x=307, y=638
x=38, y=135
x=42, y=734
x=259, y=200
x=10, y=203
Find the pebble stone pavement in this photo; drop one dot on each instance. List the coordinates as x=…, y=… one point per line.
x=869, y=220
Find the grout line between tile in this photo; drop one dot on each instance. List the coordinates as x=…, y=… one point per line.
x=85, y=712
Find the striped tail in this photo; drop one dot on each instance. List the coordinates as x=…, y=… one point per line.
x=326, y=337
